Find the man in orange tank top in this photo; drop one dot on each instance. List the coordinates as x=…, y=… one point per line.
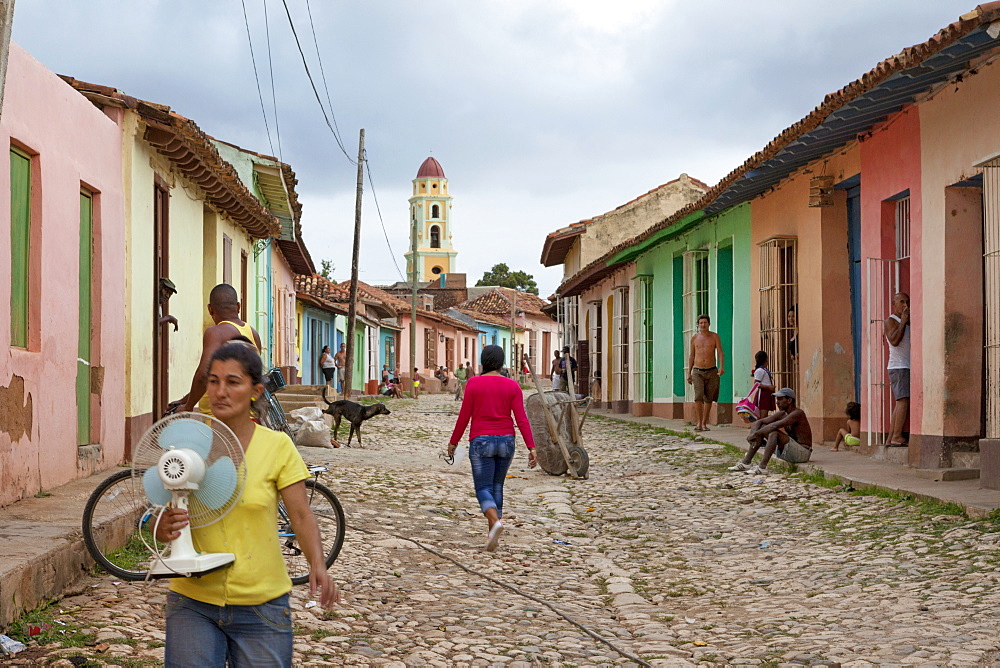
x=224, y=307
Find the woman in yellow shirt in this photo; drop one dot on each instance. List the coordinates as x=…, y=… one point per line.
x=240, y=614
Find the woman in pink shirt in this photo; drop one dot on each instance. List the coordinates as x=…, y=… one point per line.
x=490, y=401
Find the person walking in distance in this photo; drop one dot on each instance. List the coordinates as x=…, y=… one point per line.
x=490, y=400
x=339, y=360
x=327, y=365
x=555, y=371
x=706, y=364
x=897, y=333
x=461, y=378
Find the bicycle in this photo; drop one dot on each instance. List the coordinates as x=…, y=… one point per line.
x=117, y=516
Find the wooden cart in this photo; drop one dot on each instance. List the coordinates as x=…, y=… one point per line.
x=557, y=425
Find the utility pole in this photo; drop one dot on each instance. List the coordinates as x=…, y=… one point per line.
x=352, y=306
x=6, y=24
x=413, y=300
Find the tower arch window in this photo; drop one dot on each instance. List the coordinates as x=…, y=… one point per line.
x=435, y=236
x=436, y=270
x=435, y=211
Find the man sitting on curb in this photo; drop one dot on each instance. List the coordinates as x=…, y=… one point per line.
x=786, y=431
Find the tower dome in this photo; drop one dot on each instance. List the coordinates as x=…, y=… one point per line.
x=432, y=169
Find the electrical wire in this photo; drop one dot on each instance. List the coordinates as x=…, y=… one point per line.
x=256, y=77
x=513, y=589
x=322, y=72
x=305, y=64
x=270, y=67
x=379, y=210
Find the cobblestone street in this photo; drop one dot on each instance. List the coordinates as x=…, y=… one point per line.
x=661, y=552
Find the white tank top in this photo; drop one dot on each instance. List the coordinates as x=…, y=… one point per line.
x=899, y=356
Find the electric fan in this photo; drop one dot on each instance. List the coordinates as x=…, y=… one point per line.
x=195, y=462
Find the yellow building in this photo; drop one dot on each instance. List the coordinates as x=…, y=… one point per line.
x=430, y=215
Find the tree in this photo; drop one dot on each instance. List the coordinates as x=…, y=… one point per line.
x=326, y=269
x=501, y=275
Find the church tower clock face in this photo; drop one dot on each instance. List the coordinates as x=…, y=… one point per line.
x=430, y=218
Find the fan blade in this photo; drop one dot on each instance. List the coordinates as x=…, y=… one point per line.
x=187, y=433
x=218, y=485
x=153, y=486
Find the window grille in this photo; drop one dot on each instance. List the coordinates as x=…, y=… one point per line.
x=694, y=294
x=642, y=341
x=373, y=366
x=533, y=350
x=779, y=300
x=595, y=344
x=20, y=246
x=620, y=339
x=991, y=274
x=903, y=228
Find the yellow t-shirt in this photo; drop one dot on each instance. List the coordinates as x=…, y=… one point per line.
x=250, y=530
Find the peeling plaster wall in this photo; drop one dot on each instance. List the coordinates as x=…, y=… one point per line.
x=76, y=145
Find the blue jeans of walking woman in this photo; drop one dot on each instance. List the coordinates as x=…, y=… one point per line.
x=250, y=636
x=490, y=457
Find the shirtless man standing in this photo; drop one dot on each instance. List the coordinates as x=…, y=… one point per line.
x=786, y=431
x=339, y=360
x=704, y=370
x=224, y=307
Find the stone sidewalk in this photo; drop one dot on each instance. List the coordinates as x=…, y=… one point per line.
x=850, y=467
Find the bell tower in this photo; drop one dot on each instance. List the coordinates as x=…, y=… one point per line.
x=430, y=215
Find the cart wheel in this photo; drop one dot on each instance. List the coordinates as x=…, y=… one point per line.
x=580, y=459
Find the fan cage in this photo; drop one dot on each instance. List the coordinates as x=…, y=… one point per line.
x=224, y=444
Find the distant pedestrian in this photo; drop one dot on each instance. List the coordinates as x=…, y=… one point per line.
x=328, y=366
x=417, y=379
x=706, y=364
x=567, y=371
x=461, y=378
x=897, y=333
x=555, y=371
x=850, y=435
x=762, y=376
x=490, y=402
x=340, y=360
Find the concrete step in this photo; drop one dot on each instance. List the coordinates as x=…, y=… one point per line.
x=944, y=475
x=893, y=455
x=965, y=460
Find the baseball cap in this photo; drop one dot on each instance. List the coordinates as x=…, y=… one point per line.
x=168, y=284
x=785, y=392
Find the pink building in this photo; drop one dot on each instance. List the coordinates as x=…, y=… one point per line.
x=62, y=257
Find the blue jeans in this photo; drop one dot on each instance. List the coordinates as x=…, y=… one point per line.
x=490, y=457
x=201, y=635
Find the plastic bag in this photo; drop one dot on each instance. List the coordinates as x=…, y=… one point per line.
x=313, y=433
x=10, y=647
x=307, y=414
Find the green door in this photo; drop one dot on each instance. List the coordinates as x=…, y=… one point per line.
x=83, y=336
x=360, y=357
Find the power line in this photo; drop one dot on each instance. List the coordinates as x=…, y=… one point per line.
x=256, y=77
x=270, y=67
x=375, y=197
x=336, y=134
x=322, y=72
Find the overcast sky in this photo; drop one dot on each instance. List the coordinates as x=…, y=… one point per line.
x=541, y=113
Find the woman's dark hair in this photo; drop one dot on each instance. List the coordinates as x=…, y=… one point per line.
x=854, y=410
x=237, y=349
x=492, y=358
x=325, y=349
x=760, y=359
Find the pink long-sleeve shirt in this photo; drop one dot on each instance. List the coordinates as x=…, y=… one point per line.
x=489, y=402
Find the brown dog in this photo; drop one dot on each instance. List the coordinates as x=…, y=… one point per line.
x=353, y=413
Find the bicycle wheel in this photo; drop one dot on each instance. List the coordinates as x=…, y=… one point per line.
x=330, y=518
x=115, y=514
x=272, y=415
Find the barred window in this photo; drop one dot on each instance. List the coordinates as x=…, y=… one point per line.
x=642, y=341
x=619, y=343
x=779, y=309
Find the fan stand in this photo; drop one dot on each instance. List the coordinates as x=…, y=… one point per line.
x=184, y=560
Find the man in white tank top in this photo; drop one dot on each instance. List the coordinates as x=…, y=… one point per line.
x=897, y=333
